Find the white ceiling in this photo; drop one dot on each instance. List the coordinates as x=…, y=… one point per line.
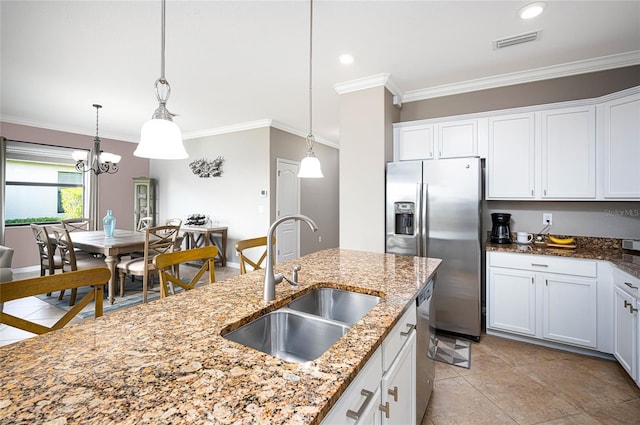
x=235, y=62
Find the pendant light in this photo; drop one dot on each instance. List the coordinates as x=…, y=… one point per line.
x=310, y=165
x=160, y=137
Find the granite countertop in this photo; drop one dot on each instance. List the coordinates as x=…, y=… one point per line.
x=165, y=362
x=591, y=248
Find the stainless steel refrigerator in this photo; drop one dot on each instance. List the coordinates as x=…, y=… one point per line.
x=434, y=210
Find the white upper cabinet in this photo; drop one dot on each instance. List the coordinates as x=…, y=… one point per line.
x=413, y=142
x=458, y=139
x=568, y=161
x=580, y=150
x=511, y=157
x=621, y=146
x=451, y=139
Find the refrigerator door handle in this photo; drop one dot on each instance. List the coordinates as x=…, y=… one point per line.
x=419, y=220
x=424, y=218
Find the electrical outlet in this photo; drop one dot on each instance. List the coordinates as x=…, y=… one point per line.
x=547, y=219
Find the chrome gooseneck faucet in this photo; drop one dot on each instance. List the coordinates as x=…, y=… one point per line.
x=271, y=279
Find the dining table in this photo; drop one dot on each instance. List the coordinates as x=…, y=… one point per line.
x=121, y=243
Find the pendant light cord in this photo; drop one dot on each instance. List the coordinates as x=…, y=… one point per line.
x=310, y=136
x=164, y=6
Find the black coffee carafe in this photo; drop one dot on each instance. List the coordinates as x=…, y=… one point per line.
x=501, y=230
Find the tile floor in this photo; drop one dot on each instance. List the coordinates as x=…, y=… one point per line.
x=512, y=382
x=509, y=382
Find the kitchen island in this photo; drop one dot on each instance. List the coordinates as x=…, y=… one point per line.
x=166, y=361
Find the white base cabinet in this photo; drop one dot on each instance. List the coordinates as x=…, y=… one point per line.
x=543, y=297
x=384, y=391
x=626, y=333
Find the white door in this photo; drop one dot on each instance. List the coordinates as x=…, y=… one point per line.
x=512, y=300
x=287, y=202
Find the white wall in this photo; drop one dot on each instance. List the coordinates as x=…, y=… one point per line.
x=364, y=151
x=234, y=198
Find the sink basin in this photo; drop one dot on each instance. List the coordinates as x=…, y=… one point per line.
x=289, y=335
x=335, y=304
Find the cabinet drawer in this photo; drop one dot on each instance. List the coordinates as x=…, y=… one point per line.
x=544, y=263
x=626, y=282
x=398, y=336
x=368, y=379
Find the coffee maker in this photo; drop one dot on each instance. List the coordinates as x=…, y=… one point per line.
x=501, y=230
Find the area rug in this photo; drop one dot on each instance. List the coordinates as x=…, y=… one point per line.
x=452, y=350
x=132, y=296
x=132, y=292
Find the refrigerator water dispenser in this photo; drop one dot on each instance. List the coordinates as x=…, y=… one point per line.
x=405, y=212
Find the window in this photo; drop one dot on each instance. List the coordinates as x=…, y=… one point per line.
x=42, y=184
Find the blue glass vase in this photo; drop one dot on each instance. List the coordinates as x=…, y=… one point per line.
x=109, y=224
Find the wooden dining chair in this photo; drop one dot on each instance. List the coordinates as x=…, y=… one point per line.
x=144, y=223
x=16, y=289
x=245, y=245
x=169, y=264
x=158, y=240
x=50, y=261
x=77, y=224
x=73, y=260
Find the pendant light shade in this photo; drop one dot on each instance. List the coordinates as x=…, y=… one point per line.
x=310, y=167
x=310, y=164
x=160, y=137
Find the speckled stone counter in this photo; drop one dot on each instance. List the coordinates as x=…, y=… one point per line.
x=165, y=362
x=606, y=249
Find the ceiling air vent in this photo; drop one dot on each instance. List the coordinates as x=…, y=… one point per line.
x=516, y=39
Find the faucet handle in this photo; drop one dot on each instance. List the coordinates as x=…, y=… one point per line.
x=294, y=275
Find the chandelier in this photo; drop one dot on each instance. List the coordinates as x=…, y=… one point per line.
x=95, y=160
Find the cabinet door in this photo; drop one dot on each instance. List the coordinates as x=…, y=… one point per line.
x=359, y=403
x=511, y=159
x=398, y=387
x=622, y=148
x=458, y=139
x=569, y=309
x=569, y=153
x=625, y=324
x=512, y=300
x=414, y=142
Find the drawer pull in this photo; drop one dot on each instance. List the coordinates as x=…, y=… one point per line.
x=384, y=408
x=410, y=327
x=394, y=393
x=539, y=265
x=628, y=304
x=356, y=415
x=631, y=286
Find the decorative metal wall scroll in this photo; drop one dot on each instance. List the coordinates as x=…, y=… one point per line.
x=203, y=168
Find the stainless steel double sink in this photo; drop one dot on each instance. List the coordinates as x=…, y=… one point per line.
x=306, y=327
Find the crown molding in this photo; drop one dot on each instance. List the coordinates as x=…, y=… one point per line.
x=81, y=131
x=251, y=125
x=234, y=128
x=556, y=71
x=367, y=83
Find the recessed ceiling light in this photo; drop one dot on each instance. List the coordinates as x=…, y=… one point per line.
x=346, y=59
x=531, y=10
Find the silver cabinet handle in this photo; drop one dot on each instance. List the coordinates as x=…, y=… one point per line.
x=384, y=408
x=631, y=286
x=410, y=327
x=539, y=265
x=394, y=393
x=356, y=415
x=628, y=304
